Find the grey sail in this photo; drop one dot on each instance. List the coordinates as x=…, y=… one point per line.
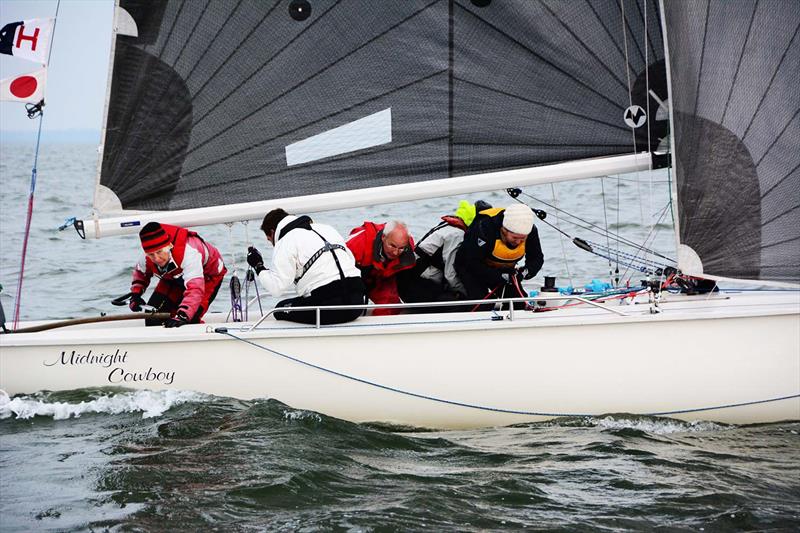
x=220, y=102
x=734, y=71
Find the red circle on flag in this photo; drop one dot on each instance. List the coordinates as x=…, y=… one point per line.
x=24, y=86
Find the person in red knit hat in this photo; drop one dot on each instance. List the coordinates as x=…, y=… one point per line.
x=189, y=269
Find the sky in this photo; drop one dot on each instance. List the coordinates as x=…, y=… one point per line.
x=78, y=71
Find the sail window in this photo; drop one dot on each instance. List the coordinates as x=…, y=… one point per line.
x=366, y=132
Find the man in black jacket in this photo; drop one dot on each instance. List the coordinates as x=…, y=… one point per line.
x=494, y=244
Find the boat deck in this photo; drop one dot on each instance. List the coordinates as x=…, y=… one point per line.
x=568, y=313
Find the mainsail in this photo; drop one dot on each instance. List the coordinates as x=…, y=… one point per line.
x=216, y=103
x=734, y=70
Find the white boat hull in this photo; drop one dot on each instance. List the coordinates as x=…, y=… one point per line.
x=729, y=360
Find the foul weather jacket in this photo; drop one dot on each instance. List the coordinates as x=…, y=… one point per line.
x=294, y=247
x=194, y=262
x=438, y=251
x=475, y=263
x=377, y=272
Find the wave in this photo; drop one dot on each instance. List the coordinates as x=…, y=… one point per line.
x=654, y=425
x=149, y=403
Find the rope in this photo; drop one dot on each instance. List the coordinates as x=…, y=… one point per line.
x=649, y=118
x=605, y=220
x=593, y=228
x=485, y=297
x=654, y=233
x=475, y=406
x=235, y=285
x=34, y=171
x=628, y=260
x=28, y=219
x=231, y=244
x=561, y=238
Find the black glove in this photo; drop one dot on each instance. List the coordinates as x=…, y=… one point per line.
x=136, y=302
x=508, y=276
x=524, y=273
x=255, y=260
x=176, y=321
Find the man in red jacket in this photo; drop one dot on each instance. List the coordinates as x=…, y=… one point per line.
x=381, y=251
x=190, y=272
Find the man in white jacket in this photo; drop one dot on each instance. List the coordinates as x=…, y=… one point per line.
x=314, y=258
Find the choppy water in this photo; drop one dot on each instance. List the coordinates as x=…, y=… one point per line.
x=181, y=461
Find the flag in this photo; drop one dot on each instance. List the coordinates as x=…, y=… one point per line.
x=27, y=39
x=24, y=87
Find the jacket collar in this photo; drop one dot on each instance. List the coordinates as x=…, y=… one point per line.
x=291, y=222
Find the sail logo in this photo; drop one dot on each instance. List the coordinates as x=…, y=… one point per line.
x=635, y=116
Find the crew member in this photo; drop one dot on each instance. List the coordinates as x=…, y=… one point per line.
x=314, y=259
x=495, y=243
x=381, y=251
x=189, y=269
x=434, y=277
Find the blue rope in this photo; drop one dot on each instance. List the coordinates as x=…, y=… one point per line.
x=481, y=407
x=633, y=261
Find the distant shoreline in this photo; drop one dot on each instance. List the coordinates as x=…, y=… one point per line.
x=51, y=137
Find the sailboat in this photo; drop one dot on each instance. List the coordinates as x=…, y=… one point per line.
x=219, y=112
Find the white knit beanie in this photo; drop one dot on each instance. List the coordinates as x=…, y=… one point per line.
x=518, y=218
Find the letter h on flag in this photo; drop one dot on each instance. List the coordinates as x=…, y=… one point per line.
x=30, y=40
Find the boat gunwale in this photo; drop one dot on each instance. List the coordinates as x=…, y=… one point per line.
x=672, y=311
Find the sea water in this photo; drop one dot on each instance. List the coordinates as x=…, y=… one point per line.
x=97, y=459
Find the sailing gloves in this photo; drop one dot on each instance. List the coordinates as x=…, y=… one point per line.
x=176, y=321
x=255, y=260
x=136, y=302
x=524, y=273
x=520, y=273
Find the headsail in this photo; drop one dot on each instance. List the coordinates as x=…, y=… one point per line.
x=217, y=103
x=734, y=70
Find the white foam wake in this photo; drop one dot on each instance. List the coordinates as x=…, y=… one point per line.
x=150, y=403
x=656, y=426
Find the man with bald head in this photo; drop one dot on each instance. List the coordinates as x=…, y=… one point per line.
x=381, y=251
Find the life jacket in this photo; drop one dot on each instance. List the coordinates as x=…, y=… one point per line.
x=177, y=237
x=425, y=259
x=501, y=256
